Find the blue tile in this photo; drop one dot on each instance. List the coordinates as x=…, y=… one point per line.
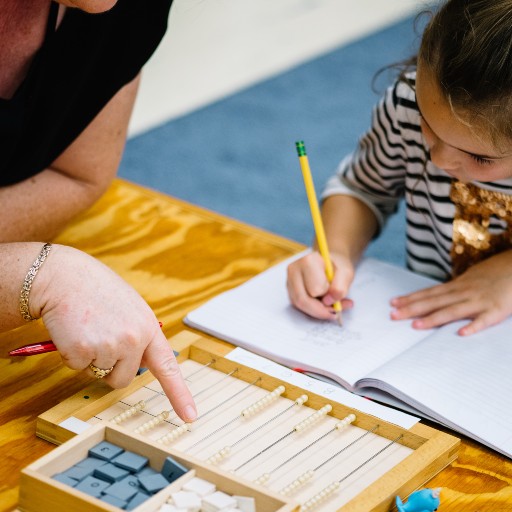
x=146, y=471
x=92, y=486
x=130, y=461
x=78, y=473
x=91, y=462
x=105, y=451
x=153, y=483
x=172, y=469
x=137, y=500
x=111, y=473
x=124, y=489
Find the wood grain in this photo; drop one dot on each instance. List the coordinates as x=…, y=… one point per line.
x=178, y=256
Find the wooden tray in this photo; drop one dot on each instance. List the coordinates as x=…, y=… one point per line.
x=415, y=455
x=38, y=491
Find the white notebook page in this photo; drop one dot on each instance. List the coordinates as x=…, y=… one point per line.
x=463, y=382
x=258, y=316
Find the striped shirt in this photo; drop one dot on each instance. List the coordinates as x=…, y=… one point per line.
x=392, y=162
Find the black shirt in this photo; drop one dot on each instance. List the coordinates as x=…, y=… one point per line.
x=78, y=69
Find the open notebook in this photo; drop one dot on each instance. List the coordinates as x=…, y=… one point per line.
x=462, y=382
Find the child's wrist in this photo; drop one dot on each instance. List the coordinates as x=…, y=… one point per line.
x=343, y=257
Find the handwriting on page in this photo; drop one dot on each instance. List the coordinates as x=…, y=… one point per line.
x=258, y=316
x=328, y=334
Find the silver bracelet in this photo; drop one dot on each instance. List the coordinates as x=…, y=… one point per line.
x=27, y=284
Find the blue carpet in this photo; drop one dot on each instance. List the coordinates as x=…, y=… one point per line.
x=238, y=156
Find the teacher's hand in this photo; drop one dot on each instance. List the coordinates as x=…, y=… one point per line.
x=95, y=318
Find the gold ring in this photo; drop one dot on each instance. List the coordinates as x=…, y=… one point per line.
x=99, y=373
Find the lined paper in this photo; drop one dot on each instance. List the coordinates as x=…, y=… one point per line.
x=258, y=316
x=462, y=382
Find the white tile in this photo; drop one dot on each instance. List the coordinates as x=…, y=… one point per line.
x=199, y=486
x=214, y=48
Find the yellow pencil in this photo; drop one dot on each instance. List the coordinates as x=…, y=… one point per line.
x=317, y=219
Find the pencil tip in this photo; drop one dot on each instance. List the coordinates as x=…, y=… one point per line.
x=339, y=319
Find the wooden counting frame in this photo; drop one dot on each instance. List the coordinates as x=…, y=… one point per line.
x=253, y=430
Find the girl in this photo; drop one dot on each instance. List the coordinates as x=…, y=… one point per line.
x=442, y=139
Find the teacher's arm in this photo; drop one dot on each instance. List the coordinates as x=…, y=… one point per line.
x=39, y=207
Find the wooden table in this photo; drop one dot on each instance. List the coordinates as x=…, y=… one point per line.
x=178, y=256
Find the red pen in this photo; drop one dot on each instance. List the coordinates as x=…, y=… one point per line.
x=35, y=348
x=38, y=348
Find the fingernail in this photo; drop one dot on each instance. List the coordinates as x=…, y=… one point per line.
x=190, y=413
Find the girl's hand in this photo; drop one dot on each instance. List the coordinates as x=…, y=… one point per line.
x=94, y=316
x=310, y=291
x=483, y=294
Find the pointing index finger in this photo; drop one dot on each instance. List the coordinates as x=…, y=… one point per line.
x=159, y=358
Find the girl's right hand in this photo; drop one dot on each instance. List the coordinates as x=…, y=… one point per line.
x=310, y=291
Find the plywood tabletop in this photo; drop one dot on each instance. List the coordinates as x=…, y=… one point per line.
x=178, y=256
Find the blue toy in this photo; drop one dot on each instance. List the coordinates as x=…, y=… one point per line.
x=426, y=500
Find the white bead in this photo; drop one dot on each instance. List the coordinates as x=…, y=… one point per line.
x=212, y=459
x=313, y=418
x=264, y=402
x=129, y=412
x=321, y=496
x=263, y=479
x=302, y=400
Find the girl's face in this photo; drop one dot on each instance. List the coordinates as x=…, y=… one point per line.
x=93, y=6
x=454, y=146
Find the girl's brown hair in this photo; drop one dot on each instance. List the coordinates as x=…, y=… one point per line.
x=467, y=45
